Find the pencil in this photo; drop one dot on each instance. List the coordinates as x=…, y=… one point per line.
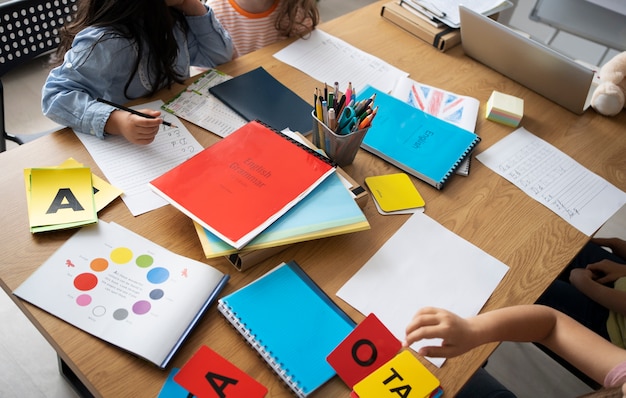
x=134, y=112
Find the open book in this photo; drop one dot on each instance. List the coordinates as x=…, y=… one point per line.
x=124, y=289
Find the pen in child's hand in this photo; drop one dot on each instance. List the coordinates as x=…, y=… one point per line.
x=134, y=112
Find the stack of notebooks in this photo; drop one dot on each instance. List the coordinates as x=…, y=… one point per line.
x=260, y=189
x=437, y=22
x=417, y=20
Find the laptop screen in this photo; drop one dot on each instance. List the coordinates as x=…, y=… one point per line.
x=532, y=64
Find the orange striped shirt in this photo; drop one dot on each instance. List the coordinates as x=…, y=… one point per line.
x=249, y=31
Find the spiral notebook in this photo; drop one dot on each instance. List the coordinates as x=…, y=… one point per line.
x=240, y=185
x=414, y=141
x=292, y=324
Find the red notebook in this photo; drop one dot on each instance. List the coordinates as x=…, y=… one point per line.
x=239, y=186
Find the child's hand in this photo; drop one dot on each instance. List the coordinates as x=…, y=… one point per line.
x=456, y=332
x=136, y=129
x=607, y=271
x=188, y=7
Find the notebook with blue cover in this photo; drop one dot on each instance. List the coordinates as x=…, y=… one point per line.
x=291, y=322
x=414, y=141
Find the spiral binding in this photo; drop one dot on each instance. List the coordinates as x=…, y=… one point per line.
x=460, y=160
x=301, y=145
x=263, y=351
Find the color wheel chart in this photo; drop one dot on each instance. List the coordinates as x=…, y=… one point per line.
x=117, y=282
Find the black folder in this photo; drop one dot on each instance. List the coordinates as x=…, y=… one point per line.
x=258, y=95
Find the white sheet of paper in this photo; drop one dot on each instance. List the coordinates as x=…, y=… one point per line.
x=580, y=197
x=329, y=59
x=423, y=264
x=130, y=167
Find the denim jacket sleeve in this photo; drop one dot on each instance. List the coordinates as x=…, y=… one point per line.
x=89, y=71
x=98, y=65
x=208, y=42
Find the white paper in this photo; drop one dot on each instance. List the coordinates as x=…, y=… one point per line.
x=423, y=264
x=451, y=8
x=130, y=166
x=580, y=197
x=329, y=59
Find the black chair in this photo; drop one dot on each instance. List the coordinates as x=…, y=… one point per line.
x=28, y=29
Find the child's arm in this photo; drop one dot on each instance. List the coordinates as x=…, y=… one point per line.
x=617, y=245
x=578, y=345
x=591, y=282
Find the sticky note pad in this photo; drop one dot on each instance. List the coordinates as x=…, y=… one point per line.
x=403, y=376
x=394, y=193
x=364, y=350
x=505, y=109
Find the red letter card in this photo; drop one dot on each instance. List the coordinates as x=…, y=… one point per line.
x=369, y=346
x=208, y=375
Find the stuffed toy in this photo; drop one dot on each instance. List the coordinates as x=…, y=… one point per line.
x=609, y=98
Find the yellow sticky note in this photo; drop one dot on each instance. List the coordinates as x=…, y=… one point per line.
x=394, y=192
x=402, y=376
x=61, y=198
x=104, y=193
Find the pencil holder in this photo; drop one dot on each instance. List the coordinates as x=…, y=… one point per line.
x=340, y=148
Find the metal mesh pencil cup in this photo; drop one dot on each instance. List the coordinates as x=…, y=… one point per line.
x=341, y=148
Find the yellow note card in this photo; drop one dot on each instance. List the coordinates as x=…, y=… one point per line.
x=61, y=198
x=402, y=376
x=394, y=193
x=104, y=193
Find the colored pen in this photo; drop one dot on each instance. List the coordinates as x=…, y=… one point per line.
x=134, y=112
x=368, y=120
x=349, y=93
x=331, y=119
x=318, y=107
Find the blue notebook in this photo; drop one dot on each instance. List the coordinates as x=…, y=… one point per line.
x=292, y=324
x=414, y=141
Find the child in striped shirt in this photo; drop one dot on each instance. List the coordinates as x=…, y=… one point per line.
x=253, y=24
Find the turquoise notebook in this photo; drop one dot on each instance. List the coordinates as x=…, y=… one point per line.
x=414, y=141
x=292, y=324
x=327, y=211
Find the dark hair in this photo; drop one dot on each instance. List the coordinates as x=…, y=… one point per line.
x=148, y=24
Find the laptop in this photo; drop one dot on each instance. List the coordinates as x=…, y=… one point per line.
x=532, y=64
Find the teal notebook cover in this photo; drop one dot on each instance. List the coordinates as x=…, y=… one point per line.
x=414, y=141
x=292, y=324
x=330, y=207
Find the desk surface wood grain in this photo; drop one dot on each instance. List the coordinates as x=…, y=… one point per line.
x=482, y=208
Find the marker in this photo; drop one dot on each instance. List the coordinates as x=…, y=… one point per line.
x=134, y=112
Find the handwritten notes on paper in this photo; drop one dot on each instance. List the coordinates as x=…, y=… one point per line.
x=130, y=167
x=329, y=59
x=582, y=198
x=197, y=105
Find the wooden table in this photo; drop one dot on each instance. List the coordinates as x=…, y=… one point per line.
x=483, y=208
